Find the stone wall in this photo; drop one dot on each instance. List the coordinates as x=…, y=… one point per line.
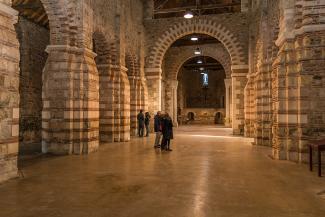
x=33, y=40
x=123, y=31
x=291, y=64
x=203, y=116
x=9, y=92
x=195, y=95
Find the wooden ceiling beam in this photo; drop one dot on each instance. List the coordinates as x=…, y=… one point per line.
x=162, y=4
x=195, y=8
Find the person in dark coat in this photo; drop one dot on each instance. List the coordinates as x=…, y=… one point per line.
x=147, y=122
x=158, y=129
x=167, y=131
x=140, y=119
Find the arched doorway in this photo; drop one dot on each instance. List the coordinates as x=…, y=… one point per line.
x=190, y=116
x=200, y=87
x=227, y=36
x=219, y=118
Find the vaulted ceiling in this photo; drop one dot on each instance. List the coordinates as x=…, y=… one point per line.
x=202, y=39
x=177, y=8
x=32, y=10
x=208, y=63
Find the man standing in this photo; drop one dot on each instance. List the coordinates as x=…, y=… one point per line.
x=140, y=118
x=158, y=129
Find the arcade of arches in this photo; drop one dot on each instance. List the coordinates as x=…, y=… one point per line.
x=75, y=73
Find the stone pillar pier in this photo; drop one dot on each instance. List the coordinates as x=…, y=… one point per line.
x=116, y=102
x=239, y=80
x=135, y=102
x=144, y=95
x=228, y=96
x=9, y=93
x=106, y=101
x=125, y=105
x=154, y=82
x=171, y=99
x=121, y=104
x=250, y=110
x=70, y=116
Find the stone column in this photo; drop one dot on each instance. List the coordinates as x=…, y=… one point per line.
x=171, y=99
x=175, y=99
x=9, y=93
x=154, y=82
x=144, y=95
x=70, y=116
x=135, y=102
x=116, y=102
x=250, y=110
x=239, y=80
x=310, y=52
x=282, y=67
x=106, y=99
x=121, y=104
x=228, y=87
x=125, y=105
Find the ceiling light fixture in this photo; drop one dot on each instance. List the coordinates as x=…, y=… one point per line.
x=197, y=51
x=202, y=69
x=194, y=38
x=199, y=61
x=188, y=15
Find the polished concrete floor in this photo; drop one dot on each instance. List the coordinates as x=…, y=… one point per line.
x=209, y=173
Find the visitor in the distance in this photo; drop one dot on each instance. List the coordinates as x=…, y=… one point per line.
x=147, y=123
x=157, y=129
x=167, y=131
x=140, y=119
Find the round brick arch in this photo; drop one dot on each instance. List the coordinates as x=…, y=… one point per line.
x=62, y=21
x=132, y=64
x=180, y=64
x=102, y=48
x=196, y=26
x=218, y=53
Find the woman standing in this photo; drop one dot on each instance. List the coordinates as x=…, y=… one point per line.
x=147, y=122
x=167, y=131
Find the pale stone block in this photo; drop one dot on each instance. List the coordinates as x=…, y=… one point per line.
x=15, y=113
x=303, y=119
x=12, y=148
x=292, y=119
x=46, y=115
x=15, y=130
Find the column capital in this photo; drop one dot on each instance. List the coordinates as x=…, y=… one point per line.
x=228, y=82
x=251, y=75
x=70, y=49
x=239, y=74
x=149, y=72
x=172, y=82
x=239, y=67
